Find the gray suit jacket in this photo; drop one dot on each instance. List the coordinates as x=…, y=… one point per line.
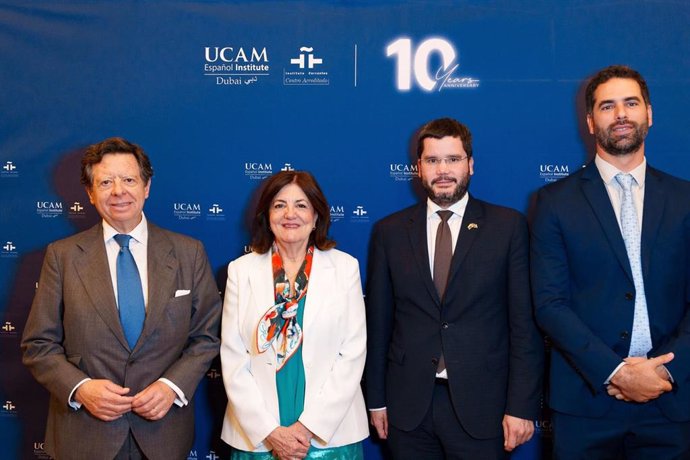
x=73, y=332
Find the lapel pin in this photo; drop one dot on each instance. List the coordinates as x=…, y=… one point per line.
x=472, y=226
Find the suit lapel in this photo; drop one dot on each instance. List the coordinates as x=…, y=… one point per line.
x=654, y=200
x=416, y=230
x=321, y=283
x=162, y=270
x=260, y=276
x=595, y=192
x=93, y=270
x=472, y=224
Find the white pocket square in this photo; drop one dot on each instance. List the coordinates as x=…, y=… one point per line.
x=181, y=292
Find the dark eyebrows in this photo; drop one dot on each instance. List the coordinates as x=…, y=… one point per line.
x=627, y=99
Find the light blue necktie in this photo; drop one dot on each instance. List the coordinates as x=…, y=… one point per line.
x=130, y=295
x=641, y=338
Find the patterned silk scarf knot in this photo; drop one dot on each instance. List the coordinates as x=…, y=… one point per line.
x=641, y=338
x=278, y=327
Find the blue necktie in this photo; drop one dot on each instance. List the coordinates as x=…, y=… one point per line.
x=641, y=338
x=130, y=295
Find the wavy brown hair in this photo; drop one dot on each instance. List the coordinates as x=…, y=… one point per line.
x=262, y=237
x=95, y=153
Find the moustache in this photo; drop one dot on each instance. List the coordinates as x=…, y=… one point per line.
x=444, y=178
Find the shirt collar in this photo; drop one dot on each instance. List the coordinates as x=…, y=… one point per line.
x=608, y=172
x=140, y=233
x=458, y=207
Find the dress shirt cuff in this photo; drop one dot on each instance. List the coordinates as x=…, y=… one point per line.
x=608, y=380
x=72, y=403
x=377, y=409
x=670, y=377
x=180, y=401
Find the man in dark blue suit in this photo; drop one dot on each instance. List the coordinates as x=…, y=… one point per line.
x=611, y=285
x=454, y=357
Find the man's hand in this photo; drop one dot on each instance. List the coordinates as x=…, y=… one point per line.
x=154, y=401
x=379, y=420
x=288, y=443
x=641, y=380
x=104, y=399
x=516, y=431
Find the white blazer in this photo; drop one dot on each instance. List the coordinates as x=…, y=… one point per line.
x=333, y=351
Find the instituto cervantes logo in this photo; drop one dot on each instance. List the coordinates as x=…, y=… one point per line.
x=307, y=69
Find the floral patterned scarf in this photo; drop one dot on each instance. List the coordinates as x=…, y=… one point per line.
x=278, y=327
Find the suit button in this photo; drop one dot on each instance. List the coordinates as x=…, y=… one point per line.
x=434, y=361
x=444, y=325
x=629, y=296
x=625, y=335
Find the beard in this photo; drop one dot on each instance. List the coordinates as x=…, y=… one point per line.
x=619, y=146
x=445, y=199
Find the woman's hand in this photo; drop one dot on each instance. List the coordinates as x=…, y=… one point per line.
x=289, y=443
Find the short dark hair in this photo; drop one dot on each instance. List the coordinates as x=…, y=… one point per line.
x=443, y=127
x=606, y=74
x=94, y=154
x=262, y=237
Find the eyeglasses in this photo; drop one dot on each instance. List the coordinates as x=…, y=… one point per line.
x=449, y=161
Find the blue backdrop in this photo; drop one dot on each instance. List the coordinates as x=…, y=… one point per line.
x=223, y=94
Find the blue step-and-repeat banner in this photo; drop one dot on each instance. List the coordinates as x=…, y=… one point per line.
x=223, y=94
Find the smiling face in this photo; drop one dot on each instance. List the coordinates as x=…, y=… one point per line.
x=445, y=170
x=118, y=192
x=620, y=118
x=292, y=218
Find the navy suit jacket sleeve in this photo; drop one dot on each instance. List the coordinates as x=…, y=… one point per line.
x=379, y=293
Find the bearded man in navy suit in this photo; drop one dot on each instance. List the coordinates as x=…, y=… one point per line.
x=611, y=283
x=454, y=358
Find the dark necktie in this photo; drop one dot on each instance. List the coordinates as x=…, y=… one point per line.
x=443, y=253
x=130, y=295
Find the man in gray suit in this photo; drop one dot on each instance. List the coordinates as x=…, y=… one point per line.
x=124, y=323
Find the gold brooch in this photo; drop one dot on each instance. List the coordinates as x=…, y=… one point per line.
x=472, y=226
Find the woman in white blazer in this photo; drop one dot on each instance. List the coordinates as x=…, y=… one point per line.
x=293, y=342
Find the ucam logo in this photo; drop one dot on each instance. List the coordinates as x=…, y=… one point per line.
x=415, y=61
x=49, y=209
x=232, y=54
x=186, y=211
x=236, y=66
x=9, y=166
x=337, y=213
x=287, y=167
x=403, y=171
x=9, y=247
x=551, y=172
x=256, y=170
x=7, y=327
